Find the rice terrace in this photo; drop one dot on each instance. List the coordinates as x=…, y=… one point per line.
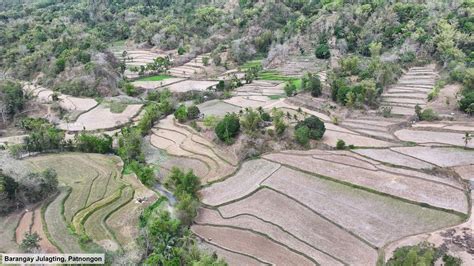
x=237, y=132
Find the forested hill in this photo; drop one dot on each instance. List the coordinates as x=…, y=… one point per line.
x=64, y=44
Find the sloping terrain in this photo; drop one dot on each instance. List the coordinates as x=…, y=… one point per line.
x=182, y=141
x=102, y=118
x=411, y=89
x=289, y=199
x=91, y=190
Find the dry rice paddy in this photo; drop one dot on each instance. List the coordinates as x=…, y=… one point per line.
x=101, y=118
x=183, y=141
x=286, y=204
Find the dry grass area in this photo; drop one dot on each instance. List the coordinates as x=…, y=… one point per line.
x=443, y=157
x=395, y=158
x=191, y=85
x=217, y=107
x=123, y=221
x=150, y=85
x=432, y=138
x=449, y=126
x=101, y=118
x=250, y=244
x=183, y=141
x=8, y=226
x=67, y=102
x=411, y=187
x=289, y=199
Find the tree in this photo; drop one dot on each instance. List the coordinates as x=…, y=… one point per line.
x=313, y=84
x=92, y=143
x=278, y=121
x=11, y=95
x=302, y=135
x=467, y=138
x=181, y=113
x=30, y=242
x=375, y=48
x=193, y=112
x=130, y=142
x=8, y=186
x=315, y=125
x=183, y=183
x=228, y=127
x=322, y=51
x=129, y=89
x=250, y=121
x=290, y=89
x=340, y=144
x=418, y=111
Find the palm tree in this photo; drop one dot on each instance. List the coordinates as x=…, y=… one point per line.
x=467, y=138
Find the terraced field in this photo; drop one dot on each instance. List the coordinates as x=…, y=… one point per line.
x=375, y=127
x=150, y=85
x=101, y=118
x=8, y=226
x=183, y=141
x=217, y=107
x=190, y=69
x=191, y=85
x=432, y=137
x=411, y=89
x=32, y=222
x=92, y=189
x=286, y=202
x=335, y=132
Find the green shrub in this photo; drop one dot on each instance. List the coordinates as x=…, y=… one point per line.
x=350, y=65
x=340, y=144
x=302, y=135
x=466, y=103
x=290, y=89
x=266, y=117
x=315, y=125
x=228, y=128
x=421, y=254
x=211, y=121
x=322, y=51
x=181, y=113
x=427, y=114
x=153, y=96
x=193, y=112
x=11, y=94
x=312, y=84
x=92, y=143
x=250, y=121
x=181, y=50
x=182, y=182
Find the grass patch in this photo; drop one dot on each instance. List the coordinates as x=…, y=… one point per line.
x=116, y=107
x=276, y=97
x=154, y=78
x=274, y=75
x=251, y=63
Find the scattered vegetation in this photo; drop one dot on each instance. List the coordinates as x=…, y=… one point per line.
x=228, y=128
x=315, y=127
x=421, y=254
